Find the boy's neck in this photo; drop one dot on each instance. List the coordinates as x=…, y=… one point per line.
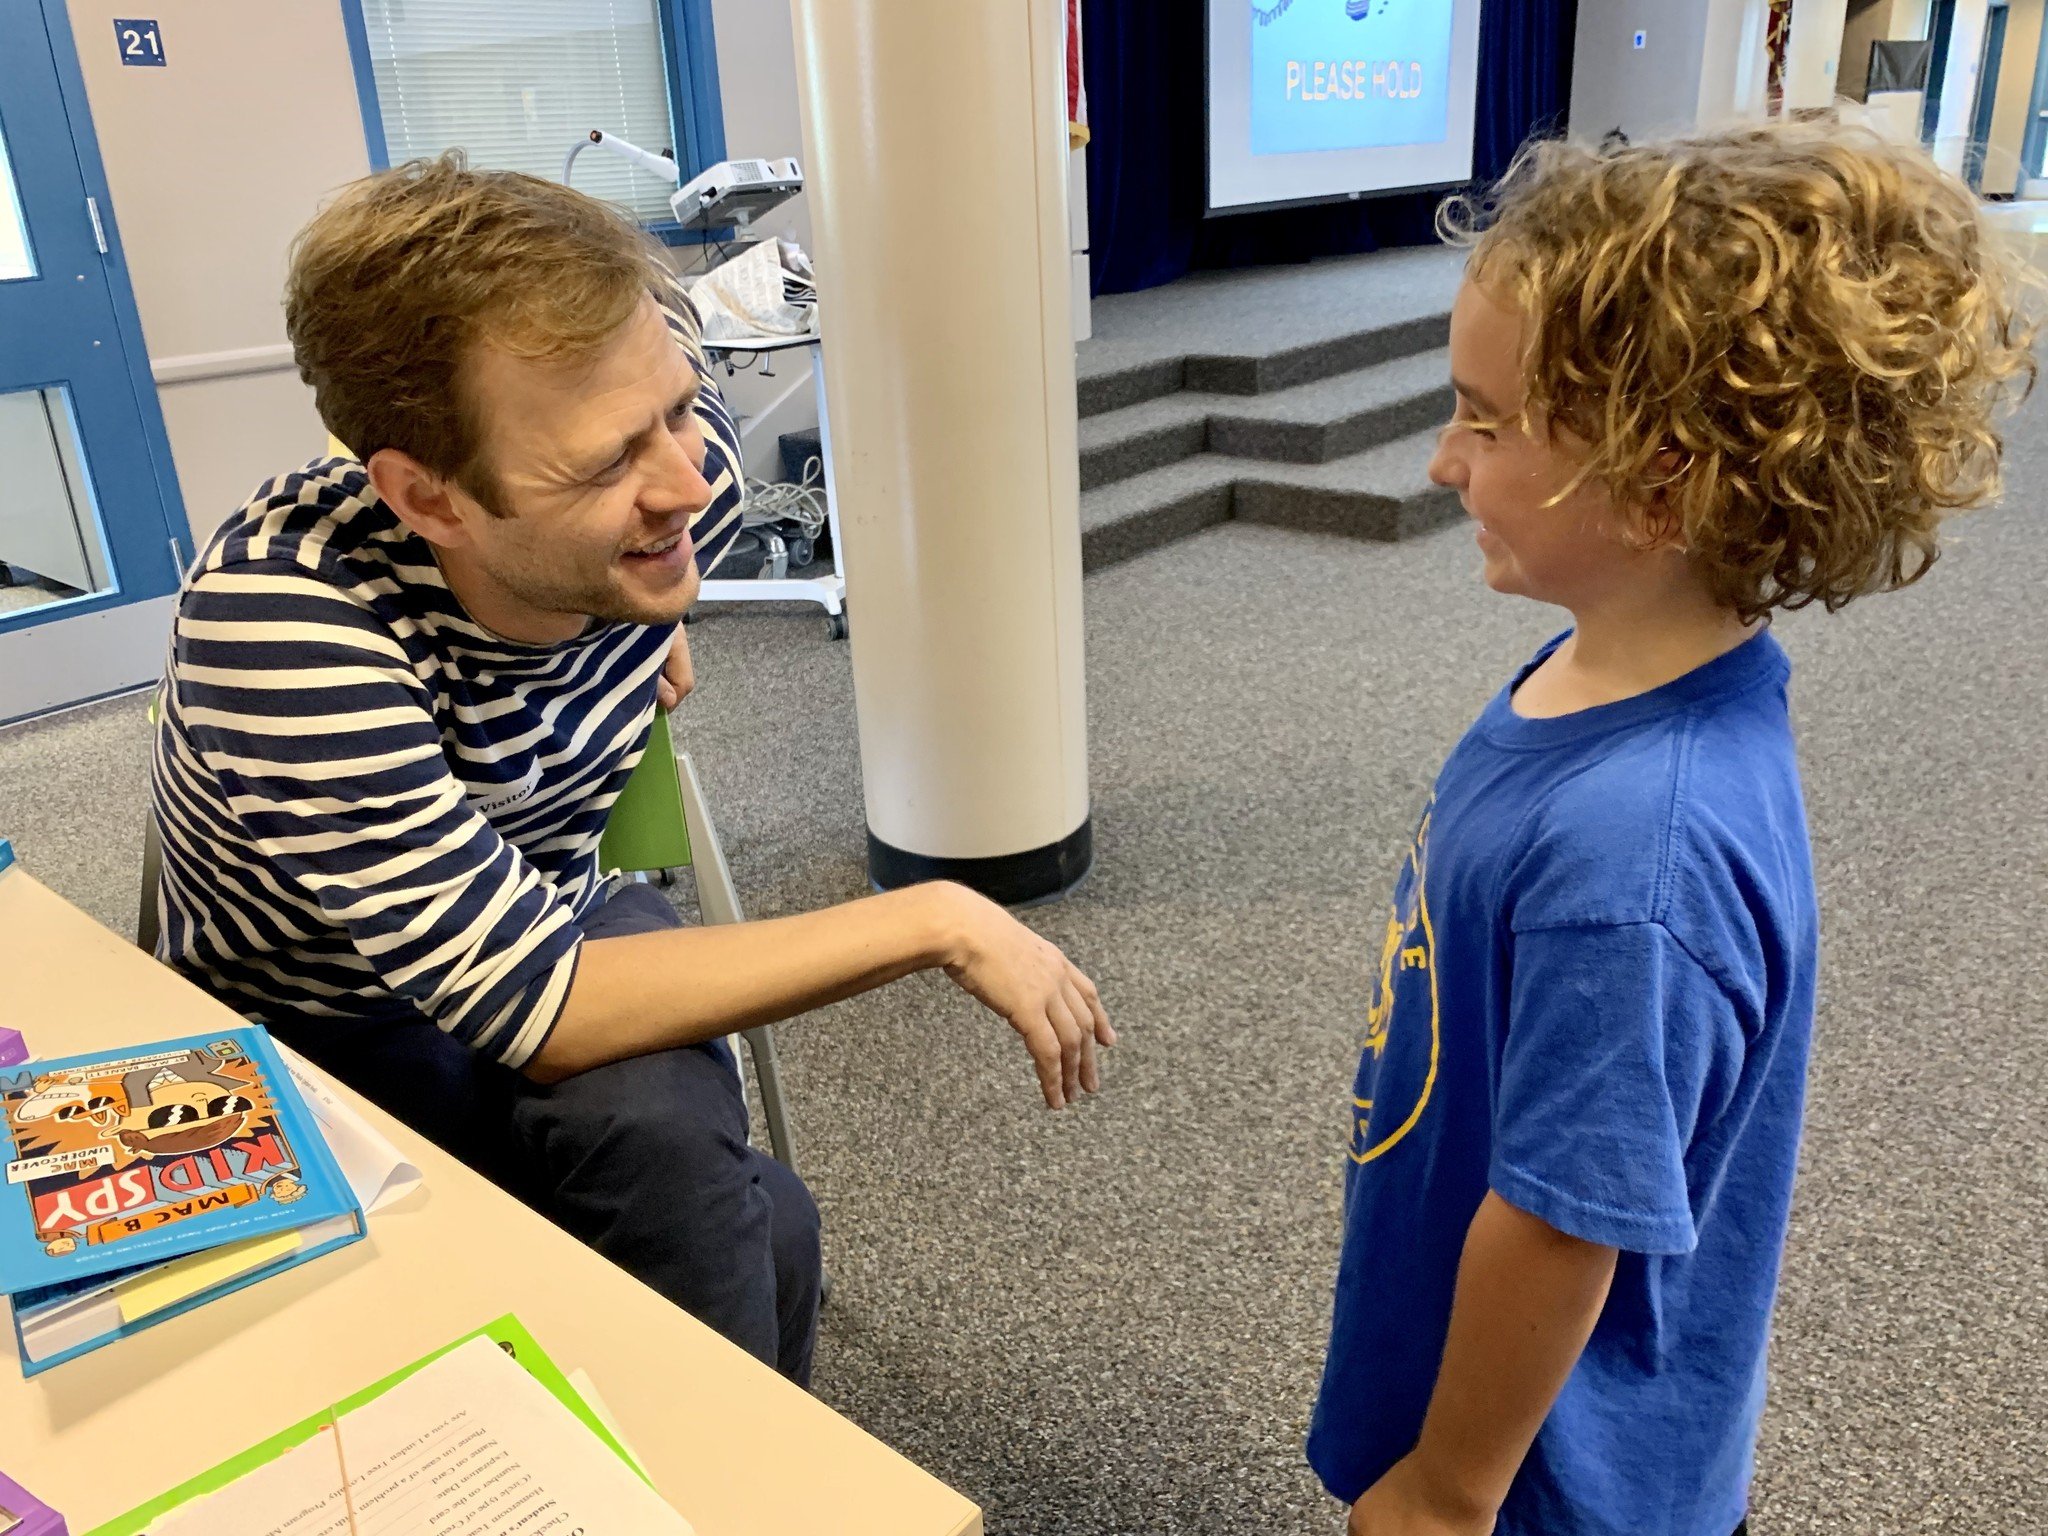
x=1619, y=650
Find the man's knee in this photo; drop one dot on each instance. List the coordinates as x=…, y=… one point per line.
x=671, y=1127
x=798, y=1229
x=647, y=1160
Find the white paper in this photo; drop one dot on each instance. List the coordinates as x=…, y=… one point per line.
x=587, y=1390
x=747, y=297
x=469, y=1446
x=375, y=1169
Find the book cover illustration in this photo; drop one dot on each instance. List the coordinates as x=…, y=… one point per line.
x=128, y=1160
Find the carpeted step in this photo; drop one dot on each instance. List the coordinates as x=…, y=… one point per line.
x=1143, y=437
x=1258, y=329
x=1099, y=390
x=1383, y=493
x=1307, y=424
x=1255, y=371
x=1146, y=511
x=1334, y=418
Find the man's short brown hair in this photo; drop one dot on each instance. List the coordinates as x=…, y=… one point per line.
x=1790, y=338
x=395, y=284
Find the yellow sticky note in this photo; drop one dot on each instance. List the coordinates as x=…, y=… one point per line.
x=187, y=1277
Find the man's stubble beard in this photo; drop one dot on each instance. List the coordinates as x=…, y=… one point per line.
x=603, y=601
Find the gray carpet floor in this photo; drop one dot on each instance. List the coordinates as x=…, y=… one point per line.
x=32, y=594
x=1110, y=1320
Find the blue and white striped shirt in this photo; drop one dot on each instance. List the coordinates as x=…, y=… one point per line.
x=371, y=807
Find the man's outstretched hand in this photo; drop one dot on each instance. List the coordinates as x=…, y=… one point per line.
x=1055, y=1009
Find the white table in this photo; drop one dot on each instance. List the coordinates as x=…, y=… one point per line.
x=733, y=1446
x=829, y=590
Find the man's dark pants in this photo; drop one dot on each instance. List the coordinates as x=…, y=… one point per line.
x=646, y=1159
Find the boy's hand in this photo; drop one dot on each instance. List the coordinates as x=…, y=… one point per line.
x=1055, y=1009
x=1403, y=1503
x=678, y=673
x=1527, y=1298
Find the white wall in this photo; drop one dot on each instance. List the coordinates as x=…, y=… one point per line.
x=214, y=162
x=1702, y=63
x=1813, y=52
x=1734, y=61
x=1642, y=91
x=1895, y=115
x=1909, y=17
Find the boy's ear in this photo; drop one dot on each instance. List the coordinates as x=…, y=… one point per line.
x=1656, y=523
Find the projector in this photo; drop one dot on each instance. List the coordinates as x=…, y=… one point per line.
x=736, y=192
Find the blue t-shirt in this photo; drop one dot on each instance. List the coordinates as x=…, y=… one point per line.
x=1594, y=996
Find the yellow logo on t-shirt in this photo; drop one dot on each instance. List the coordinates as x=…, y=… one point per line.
x=1408, y=946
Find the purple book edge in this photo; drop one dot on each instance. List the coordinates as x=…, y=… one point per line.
x=13, y=1049
x=31, y=1516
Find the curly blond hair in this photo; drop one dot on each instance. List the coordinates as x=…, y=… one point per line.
x=1782, y=344
x=395, y=284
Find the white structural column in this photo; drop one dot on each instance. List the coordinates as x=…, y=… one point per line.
x=936, y=140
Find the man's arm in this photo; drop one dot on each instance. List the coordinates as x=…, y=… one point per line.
x=1527, y=1298
x=647, y=992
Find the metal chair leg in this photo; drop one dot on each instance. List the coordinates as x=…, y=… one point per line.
x=718, y=899
x=152, y=871
x=761, y=1046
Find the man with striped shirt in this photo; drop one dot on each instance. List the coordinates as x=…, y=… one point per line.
x=405, y=688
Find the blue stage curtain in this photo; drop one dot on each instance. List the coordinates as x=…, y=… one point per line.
x=1146, y=157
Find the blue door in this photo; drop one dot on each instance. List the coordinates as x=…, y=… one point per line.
x=90, y=519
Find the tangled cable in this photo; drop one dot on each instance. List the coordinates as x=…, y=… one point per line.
x=802, y=503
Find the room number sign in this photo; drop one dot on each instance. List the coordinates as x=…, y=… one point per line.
x=140, y=42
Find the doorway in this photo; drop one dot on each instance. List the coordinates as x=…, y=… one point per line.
x=90, y=518
x=1987, y=96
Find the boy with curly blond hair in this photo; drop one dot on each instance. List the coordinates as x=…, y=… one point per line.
x=1697, y=382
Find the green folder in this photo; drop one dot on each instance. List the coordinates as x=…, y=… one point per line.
x=507, y=1332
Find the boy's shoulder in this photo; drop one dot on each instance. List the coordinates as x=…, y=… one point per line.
x=1594, y=841
x=1694, y=822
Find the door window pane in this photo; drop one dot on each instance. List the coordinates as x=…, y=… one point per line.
x=50, y=544
x=15, y=261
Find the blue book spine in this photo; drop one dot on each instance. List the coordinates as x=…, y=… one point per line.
x=119, y=1160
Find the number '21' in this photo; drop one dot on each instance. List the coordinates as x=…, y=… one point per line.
x=140, y=42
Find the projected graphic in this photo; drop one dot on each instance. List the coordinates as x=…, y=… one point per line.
x=1349, y=74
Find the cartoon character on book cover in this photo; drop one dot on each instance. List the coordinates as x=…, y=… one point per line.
x=138, y=1143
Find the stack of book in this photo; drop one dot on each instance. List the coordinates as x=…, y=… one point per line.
x=142, y=1184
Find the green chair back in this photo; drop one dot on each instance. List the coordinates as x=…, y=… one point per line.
x=647, y=830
